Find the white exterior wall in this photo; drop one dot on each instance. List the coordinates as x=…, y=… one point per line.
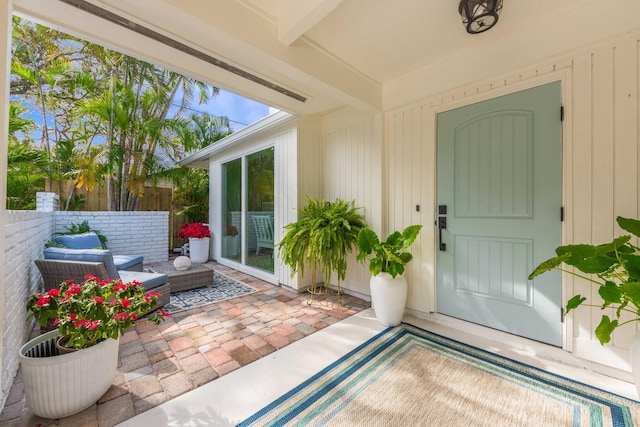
x=286, y=181
x=409, y=162
x=351, y=165
x=134, y=233
x=601, y=176
x=309, y=181
x=25, y=235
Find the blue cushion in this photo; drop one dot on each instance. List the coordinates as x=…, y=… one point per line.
x=123, y=262
x=88, y=255
x=79, y=241
x=148, y=280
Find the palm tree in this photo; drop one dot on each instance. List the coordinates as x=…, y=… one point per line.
x=106, y=116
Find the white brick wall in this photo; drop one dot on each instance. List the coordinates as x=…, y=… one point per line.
x=128, y=233
x=47, y=202
x=26, y=233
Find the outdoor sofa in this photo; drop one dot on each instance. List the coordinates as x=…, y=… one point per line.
x=60, y=264
x=91, y=240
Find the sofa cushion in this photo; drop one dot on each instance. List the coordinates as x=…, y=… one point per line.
x=124, y=262
x=148, y=280
x=91, y=255
x=79, y=241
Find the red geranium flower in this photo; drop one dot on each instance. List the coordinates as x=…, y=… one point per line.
x=196, y=230
x=74, y=289
x=119, y=287
x=94, y=310
x=121, y=316
x=42, y=301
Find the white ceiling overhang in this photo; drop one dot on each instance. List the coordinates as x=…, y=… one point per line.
x=228, y=31
x=372, y=55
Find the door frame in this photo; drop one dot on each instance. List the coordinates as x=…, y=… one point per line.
x=494, y=91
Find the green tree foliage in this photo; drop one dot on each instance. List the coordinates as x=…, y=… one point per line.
x=106, y=117
x=26, y=166
x=193, y=193
x=192, y=185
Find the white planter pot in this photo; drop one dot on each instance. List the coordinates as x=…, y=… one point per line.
x=634, y=351
x=388, y=298
x=59, y=386
x=199, y=250
x=230, y=246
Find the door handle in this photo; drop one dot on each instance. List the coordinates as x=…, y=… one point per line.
x=442, y=224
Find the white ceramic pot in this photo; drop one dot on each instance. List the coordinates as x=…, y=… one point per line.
x=388, y=298
x=199, y=250
x=634, y=351
x=59, y=386
x=230, y=246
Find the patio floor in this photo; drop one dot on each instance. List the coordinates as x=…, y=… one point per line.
x=194, y=347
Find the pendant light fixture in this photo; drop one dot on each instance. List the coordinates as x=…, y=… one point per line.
x=479, y=15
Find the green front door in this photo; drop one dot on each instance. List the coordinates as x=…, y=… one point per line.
x=499, y=197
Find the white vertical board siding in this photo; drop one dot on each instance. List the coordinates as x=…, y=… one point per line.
x=579, y=198
x=309, y=182
x=309, y=163
x=601, y=177
x=605, y=174
x=351, y=160
x=286, y=198
x=410, y=166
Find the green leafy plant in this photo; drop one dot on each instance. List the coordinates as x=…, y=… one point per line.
x=192, y=191
x=614, y=267
x=323, y=236
x=84, y=227
x=389, y=256
x=94, y=310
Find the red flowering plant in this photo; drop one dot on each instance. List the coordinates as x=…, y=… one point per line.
x=196, y=230
x=94, y=310
x=230, y=230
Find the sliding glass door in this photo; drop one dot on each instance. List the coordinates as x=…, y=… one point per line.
x=248, y=210
x=231, y=209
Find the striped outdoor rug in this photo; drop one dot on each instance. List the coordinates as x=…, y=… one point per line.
x=221, y=289
x=406, y=376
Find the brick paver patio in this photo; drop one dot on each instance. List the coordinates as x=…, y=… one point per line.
x=193, y=347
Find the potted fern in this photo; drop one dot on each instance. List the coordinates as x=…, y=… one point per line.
x=388, y=285
x=322, y=238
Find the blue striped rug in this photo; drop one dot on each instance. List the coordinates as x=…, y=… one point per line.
x=223, y=288
x=406, y=376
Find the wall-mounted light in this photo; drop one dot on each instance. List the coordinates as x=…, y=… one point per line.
x=479, y=15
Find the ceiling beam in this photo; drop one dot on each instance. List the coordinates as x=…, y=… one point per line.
x=302, y=17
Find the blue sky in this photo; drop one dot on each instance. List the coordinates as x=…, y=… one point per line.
x=240, y=110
